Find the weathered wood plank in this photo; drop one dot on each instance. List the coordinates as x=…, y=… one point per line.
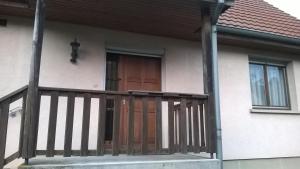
x=52, y=124
x=101, y=125
x=116, y=125
x=4, y=110
x=22, y=125
x=69, y=125
x=176, y=129
x=85, y=125
x=190, y=127
x=15, y=93
x=151, y=94
x=158, y=121
x=183, y=127
x=171, y=125
x=145, y=126
x=208, y=79
x=196, y=126
x=130, y=143
x=11, y=158
x=32, y=102
x=202, y=123
x=37, y=118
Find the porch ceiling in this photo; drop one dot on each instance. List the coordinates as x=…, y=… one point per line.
x=172, y=18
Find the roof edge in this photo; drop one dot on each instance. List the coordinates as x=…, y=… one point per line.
x=258, y=35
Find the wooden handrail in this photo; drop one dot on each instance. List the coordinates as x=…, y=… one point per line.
x=14, y=93
x=4, y=116
x=138, y=93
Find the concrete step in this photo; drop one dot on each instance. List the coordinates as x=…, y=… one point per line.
x=177, y=161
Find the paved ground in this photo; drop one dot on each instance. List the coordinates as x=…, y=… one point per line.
x=176, y=161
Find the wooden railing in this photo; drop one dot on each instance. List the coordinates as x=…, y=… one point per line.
x=178, y=123
x=5, y=103
x=184, y=114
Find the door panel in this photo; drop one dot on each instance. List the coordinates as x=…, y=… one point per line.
x=139, y=73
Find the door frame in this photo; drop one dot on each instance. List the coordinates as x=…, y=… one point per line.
x=162, y=66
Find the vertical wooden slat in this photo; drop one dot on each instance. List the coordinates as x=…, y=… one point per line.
x=116, y=125
x=4, y=110
x=182, y=126
x=22, y=124
x=158, y=121
x=207, y=126
x=196, y=126
x=202, y=121
x=176, y=128
x=171, y=125
x=145, y=126
x=37, y=119
x=85, y=125
x=52, y=125
x=130, y=143
x=101, y=125
x=190, y=126
x=69, y=125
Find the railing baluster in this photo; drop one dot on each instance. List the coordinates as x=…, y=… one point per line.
x=22, y=124
x=183, y=127
x=52, y=125
x=196, y=126
x=145, y=126
x=171, y=125
x=190, y=126
x=101, y=125
x=158, y=128
x=116, y=125
x=203, y=104
x=4, y=111
x=69, y=125
x=85, y=125
x=176, y=127
x=130, y=138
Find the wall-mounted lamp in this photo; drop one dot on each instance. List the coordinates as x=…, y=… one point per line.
x=75, y=47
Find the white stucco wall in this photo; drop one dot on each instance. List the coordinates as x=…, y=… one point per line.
x=252, y=135
x=245, y=135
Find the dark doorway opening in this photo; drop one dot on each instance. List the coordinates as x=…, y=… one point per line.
x=111, y=84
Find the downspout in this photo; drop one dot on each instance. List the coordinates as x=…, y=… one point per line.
x=219, y=151
x=216, y=94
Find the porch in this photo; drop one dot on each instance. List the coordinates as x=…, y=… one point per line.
x=181, y=122
x=141, y=122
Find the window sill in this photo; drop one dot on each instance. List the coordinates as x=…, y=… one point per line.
x=273, y=111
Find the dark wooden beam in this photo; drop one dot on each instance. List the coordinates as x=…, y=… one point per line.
x=32, y=102
x=31, y=3
x=207, y=52
x=13, y=4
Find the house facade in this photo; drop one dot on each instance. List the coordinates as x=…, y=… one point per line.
x=259, y=84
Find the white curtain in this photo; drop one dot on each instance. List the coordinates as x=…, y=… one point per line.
x=257, y=85
x=277, y=89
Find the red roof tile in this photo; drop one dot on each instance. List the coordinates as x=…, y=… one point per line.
x=258, y=15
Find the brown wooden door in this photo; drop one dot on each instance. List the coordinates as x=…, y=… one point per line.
x=139, y=73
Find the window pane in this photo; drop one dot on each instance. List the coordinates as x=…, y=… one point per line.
x=257, y=85
x=277, y=88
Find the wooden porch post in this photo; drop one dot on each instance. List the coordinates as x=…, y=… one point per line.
x=33, y=100
x=207, y=52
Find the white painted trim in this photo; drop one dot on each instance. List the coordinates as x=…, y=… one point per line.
x=273, y=111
